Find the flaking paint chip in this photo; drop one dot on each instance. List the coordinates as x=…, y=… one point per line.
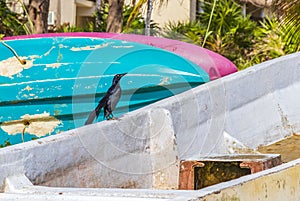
x=37, y=124
x=12, y=66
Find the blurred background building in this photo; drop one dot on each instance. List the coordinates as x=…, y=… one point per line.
x=79, y=12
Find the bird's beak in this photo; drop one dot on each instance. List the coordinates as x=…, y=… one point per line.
x=123, y=74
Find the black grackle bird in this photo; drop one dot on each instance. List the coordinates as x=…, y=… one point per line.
x=109, y=101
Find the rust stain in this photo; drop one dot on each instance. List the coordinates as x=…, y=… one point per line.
x=129, y=184
x=288, y=148
x=186, y=174
x=284, y=120
x=195, y=175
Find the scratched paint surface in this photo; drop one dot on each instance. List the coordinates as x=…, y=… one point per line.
x=38, y=124
x=66, y=77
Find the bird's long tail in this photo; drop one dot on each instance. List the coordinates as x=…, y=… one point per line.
x=95, y=113
x=91, y=118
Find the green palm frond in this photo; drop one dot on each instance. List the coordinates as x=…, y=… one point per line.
x=135, y=12
x=289, y=16
x=138, y=6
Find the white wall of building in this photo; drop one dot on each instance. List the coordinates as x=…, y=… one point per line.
x=71, y=11
x=173, y=11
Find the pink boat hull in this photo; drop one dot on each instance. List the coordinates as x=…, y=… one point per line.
x=214, y=64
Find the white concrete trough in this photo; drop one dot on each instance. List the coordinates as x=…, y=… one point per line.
x=237, y=114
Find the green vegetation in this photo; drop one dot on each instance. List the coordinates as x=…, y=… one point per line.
x=221, y=27
x=230, y=33
x=9, y=21
x=5, y=144
x=66, y=27
x=238, y=38
x=268, y=42
x=137, y=25
x=148, y=4
x=289, y=17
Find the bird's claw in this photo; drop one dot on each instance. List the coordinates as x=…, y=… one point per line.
x=112, y=118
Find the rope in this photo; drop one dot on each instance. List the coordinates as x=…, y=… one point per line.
x=22, y=61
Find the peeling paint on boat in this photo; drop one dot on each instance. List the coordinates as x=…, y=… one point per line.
x=28, y=88
x=49, y=51
x=32, y=57
x=214, y=64
x=12, y=66
x=89, y=47
x=164, y=80
x=37, y=124
x=54, y=65
x=62, y=46
x=69, y=71
x=122, y=46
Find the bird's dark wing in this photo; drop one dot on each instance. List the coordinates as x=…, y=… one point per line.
x=95, y=113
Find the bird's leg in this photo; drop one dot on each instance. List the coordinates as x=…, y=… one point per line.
x=108, y=117
x=111, y=117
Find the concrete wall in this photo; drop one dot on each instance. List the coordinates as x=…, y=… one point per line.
x=256, y=106
x=276, y=184
x=138, y=151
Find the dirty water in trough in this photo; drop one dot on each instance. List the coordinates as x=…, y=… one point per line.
x=288, y=148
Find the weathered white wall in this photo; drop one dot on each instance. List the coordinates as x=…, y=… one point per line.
x=279, y=183
x=256, y=106
x=138, y=151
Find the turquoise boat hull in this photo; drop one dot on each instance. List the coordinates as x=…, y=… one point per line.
x=64, y=78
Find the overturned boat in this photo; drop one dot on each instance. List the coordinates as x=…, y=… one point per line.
x=212, y=63
x=63, y=78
